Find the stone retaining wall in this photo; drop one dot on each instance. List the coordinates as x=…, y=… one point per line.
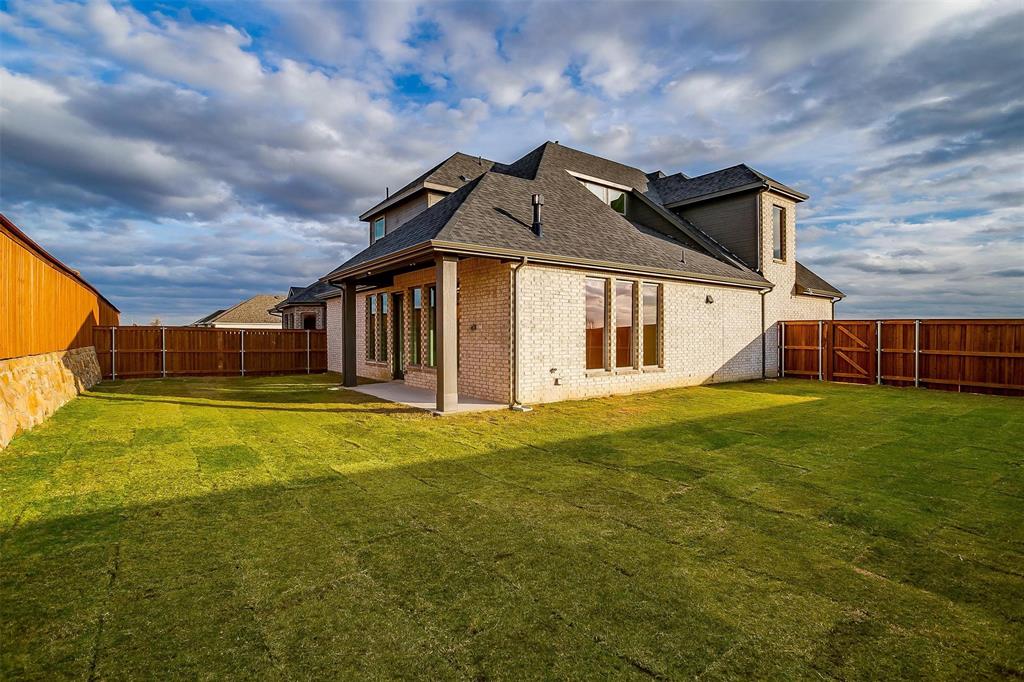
x=34, y=386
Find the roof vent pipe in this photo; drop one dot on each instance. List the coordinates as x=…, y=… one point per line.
x=538, y=201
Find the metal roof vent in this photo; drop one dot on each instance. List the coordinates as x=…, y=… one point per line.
x=537, y=200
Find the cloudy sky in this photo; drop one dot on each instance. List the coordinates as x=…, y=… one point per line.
x=184, y=157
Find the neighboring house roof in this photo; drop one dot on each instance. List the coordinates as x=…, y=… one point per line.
x=807, y=282
x=447, y=175
x=209, y=318
x=675, y=189
x=255, y=310
x=494, y=213
x=308, y=295
x=42, y=253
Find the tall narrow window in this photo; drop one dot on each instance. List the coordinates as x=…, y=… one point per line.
x=595, y=342
x=432, y=326
x=778, y=231
x=613, y=197
x=624, y=323
x=652, y=324
x=371, y=327
x=383, y=328
x=378, y=228
x=415, y=320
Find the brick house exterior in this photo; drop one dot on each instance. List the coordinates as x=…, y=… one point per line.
x=608, y=285
x=304, y=307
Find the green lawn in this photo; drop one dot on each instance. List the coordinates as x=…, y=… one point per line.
x=273, y=528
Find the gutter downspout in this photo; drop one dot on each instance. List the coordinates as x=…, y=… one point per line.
x=514, y=340
x=764, y=338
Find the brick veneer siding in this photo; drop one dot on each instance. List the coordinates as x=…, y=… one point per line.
x=484, y=303
x=781, y=303
x=334, y=333
x=291, y=317
x=702, y=342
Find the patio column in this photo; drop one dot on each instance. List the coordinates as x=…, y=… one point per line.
x=447, y=333
x=348, y=334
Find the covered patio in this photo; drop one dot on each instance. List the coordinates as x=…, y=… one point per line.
x=432, y=327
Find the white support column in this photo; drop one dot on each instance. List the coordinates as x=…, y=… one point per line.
x=446, y=329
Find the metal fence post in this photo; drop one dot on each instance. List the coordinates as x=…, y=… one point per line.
x=878, y=359
x=821, y=355
x=113, y=353
x=307, y=351
x=782, y=350
x=242, y=336
x=163, y=350
x=917, y=353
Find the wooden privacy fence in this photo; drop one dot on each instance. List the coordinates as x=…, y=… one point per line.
x=979, y=356
x=139, y=352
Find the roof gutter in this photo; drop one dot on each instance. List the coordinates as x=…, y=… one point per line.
x=426, y=248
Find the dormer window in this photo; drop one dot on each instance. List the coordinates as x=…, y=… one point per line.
x=615, y=198
x=378, y=228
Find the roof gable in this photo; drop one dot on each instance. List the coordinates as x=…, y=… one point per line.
x=678, y=188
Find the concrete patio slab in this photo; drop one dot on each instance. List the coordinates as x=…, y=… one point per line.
x=400, y=392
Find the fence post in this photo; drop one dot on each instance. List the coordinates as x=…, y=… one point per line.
x=821, y=354
x=243, y=351
x=878, y=359
x=917, y=353
x=782, y=350
x=163, y=351
x=113, y=353
x=307, y=351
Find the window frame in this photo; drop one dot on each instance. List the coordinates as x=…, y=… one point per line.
x=779, y=233
x=373, y=228
x=371, y=327
x=605, y=195
x=604, y=284
x=382, y=332
x=431, y=308
x=659, y=305
x=625, y=289
x=416, y=326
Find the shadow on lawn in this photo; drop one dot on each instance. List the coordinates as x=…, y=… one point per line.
x=591, y=557
x=198, y=402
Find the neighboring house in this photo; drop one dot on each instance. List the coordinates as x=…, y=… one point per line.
x=253, y=313
x=565, y=275
x=304, y=307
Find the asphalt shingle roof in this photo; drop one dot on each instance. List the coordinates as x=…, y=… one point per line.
x=254, y=310
x=306, y=295
x=808, y=281
x=674, y=188
x=495, y=211
x=449, y=173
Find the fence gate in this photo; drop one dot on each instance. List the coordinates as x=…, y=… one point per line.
x=850, y=351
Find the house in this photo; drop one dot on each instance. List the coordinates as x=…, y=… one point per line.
x=252, y=313
x=304, y=307
x=565, y=275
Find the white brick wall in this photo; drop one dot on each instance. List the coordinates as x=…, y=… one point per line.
x=334, y=333
x=781, y=303
x=702, y=342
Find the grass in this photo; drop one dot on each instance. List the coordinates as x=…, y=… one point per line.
x=273, y=528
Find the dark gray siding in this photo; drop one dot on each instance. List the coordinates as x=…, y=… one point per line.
x=731, y=220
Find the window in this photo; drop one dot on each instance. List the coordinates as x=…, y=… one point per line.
x=371, y=327
x=378, y=228
x=652, y=324
x=383, y=328
x=432, y=327
x=624, y=323
x=414, y=326
x=309, y=321
x=778, y=231
x=595, y=341
x=613, y=197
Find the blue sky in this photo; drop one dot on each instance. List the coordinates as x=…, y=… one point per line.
x=186, y=156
